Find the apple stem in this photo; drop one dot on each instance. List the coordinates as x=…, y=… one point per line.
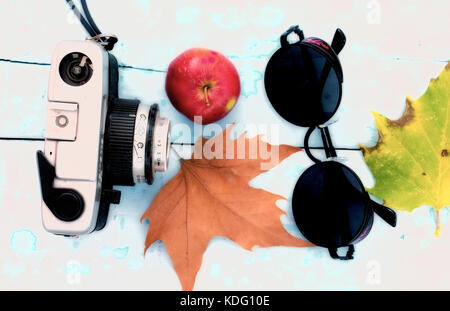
x=205, y=91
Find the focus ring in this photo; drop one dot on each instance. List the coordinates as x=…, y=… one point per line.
x=119, y=142
x=152, y=116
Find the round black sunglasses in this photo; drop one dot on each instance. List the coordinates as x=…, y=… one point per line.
x=303, y=81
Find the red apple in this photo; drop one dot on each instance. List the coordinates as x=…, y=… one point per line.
x=201, y=82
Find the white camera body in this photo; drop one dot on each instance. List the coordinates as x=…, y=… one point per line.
x=93, y=140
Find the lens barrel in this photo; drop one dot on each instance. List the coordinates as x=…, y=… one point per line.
x=119, y=141
x=136, y=142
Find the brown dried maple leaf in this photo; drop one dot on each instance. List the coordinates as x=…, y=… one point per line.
x=209, y=198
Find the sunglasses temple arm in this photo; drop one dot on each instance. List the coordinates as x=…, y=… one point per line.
x=338, y=41
x=306, y=145
x=295, y=29
x=348, y=256
x=387, y=214
x=330, y=152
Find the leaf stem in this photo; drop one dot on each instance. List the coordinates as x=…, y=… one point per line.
x=438, y=224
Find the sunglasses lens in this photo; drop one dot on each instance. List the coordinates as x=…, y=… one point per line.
x=326, y=205
x=330, y=93
x=302, y=85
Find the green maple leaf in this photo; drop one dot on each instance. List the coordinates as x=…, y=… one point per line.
x=411, y=162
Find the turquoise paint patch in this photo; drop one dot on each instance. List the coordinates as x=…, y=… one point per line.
x=295, y=171
x=292, y=228
x=176, y=136
x=215, y=270
x=232, y=19
x=143, y=4
x=352, y=288
x=444, y=213
x=13, y=269
x=269, y=16
x=118, y=253
x=17, y=100
x=23, y=241
x=187, y=14
x=262, y=179
x=265, y=256
x=316, y=252
x=250, y=79
x=252, y=45
x=356, y=48
x=420, y=220
x=38, y=107
x=228, y=281
x=28, y=123
x=249, y=57
x=297, y=284
x=306, y=261
x=75, y=244
x=134, y=264
x=76, y=268
x=411, y=7
x=433, y=214
x=310, y=276
x=244, y=280
x=107, y=267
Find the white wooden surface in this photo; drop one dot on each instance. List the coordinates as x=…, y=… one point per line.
x=393, y=49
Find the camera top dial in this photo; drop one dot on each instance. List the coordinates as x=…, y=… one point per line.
x=76, y=69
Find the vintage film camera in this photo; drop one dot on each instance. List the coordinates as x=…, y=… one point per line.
x=93, y=140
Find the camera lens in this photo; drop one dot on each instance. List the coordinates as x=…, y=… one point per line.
x=75, y=69
x=151, y=143
x=137, y=142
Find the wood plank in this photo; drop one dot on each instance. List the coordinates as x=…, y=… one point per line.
x=24, y=91
x=393, y=49
x=152, y=33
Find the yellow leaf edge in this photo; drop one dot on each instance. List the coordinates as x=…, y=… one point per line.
x=404, y=119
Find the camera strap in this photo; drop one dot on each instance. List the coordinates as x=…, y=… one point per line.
x=86, y=20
